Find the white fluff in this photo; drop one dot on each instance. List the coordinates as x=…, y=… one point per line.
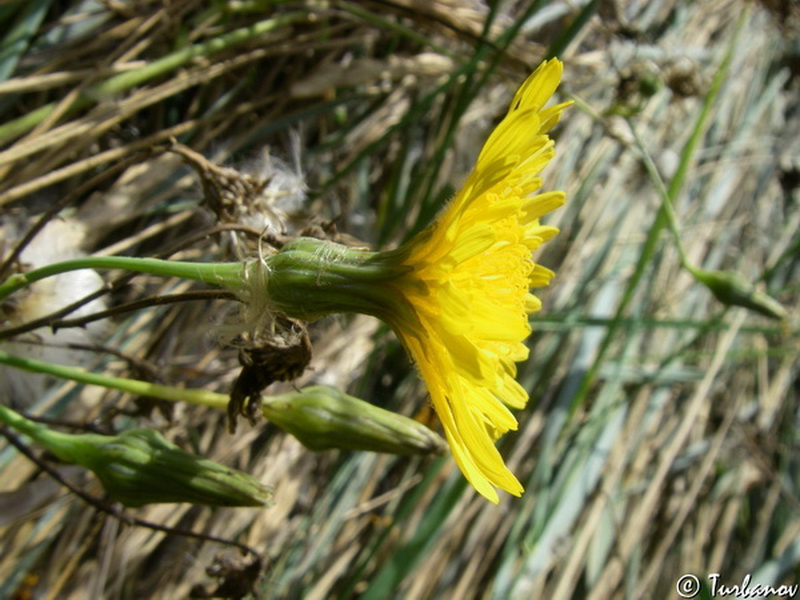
x=59, y=240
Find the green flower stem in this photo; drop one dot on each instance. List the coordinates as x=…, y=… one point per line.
x=668, y=195
x=68, y=448
x=41, y=434
x=728, y=287
x=166, y=64
x=666, y=198
x=229, y=275
x=132, y=386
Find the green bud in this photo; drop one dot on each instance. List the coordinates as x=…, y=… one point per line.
x=322, y=417
x=732, y=289
x=140, y=467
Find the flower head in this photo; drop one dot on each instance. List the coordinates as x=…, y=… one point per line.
x=469, y=281
x=457, y=294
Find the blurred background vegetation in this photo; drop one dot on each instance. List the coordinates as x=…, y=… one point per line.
x=661, y=437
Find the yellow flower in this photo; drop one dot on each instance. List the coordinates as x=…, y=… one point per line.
x=469, y=281
x=458, y=294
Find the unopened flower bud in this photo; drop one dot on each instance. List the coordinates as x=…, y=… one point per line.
x=731, y=288
x=322, y=417
x=140, y=467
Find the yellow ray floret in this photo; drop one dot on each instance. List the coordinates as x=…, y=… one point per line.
x=469, y=279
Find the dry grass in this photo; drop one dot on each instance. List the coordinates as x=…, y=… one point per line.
x=661, y=435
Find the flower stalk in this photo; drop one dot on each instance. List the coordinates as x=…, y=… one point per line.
x=229, y=275
x=131, y=386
